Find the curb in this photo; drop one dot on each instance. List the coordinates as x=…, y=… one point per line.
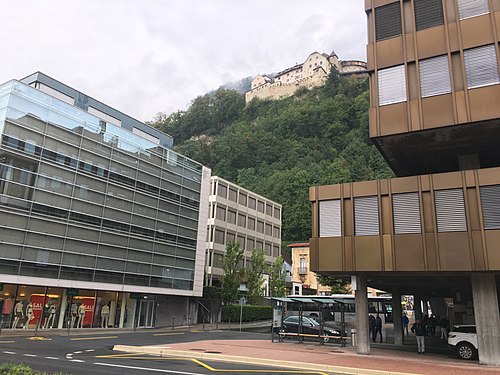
x=164, y=352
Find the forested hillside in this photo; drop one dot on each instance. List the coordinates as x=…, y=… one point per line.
x=280, y=148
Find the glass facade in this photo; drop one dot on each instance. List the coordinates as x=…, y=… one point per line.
x=84, y=200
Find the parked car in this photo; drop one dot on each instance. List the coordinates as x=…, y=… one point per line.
x=462, y=340
x=309, y=326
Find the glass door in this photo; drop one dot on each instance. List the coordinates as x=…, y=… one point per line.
x=146, y=314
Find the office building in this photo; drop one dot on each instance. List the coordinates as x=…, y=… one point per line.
x=433, y=232
x=237, y=214
x=96, y=210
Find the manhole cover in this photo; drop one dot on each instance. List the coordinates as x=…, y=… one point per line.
x=198, y=350
x=213, y=352
x=336, y=351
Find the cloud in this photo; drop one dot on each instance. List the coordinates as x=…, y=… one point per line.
x=157, y=55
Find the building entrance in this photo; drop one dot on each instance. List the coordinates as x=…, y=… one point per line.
x=146, y=314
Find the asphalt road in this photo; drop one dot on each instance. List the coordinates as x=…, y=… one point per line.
x=91, y=353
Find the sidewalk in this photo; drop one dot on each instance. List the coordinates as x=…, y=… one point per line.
x=312, y=357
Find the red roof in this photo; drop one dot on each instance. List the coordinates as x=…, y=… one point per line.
x=301, y=244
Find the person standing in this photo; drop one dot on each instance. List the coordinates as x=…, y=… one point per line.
x=378, y=328
x=419, y=329
x=371, y=326
x=405, y=321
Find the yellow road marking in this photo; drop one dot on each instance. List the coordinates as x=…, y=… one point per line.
x=38, y=338
x=202, y=364
x=168, y=334
x=94, y=338
x=6, y=342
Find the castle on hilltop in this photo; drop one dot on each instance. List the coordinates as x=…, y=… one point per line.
x=311, y=73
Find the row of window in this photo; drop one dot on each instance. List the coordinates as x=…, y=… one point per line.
x=100, y=172
x=24, y=268
x=244, y=221
x=406, y=210
x=481, y=69
x=246, y=243
x=244, y=199
x=428, y=13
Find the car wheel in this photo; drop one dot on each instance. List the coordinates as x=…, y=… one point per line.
x=326, y=338
x=465, y=350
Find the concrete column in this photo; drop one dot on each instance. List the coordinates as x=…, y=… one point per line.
x=418, y=307
x=62, y=311
x=123, y=308
x=486, y=313
x=397, y=314
x=361, y=302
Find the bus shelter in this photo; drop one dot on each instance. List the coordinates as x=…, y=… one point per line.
x=281, y=313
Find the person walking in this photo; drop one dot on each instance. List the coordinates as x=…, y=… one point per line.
x=405, y=321
x=378, y=328
x=420, y=331
x=443, y=323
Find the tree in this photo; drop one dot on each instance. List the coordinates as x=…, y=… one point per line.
x=256, y=276
x=277, y=282
x=232, y=272
x=337, y=286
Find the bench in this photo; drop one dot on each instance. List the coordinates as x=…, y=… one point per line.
x=322, y=338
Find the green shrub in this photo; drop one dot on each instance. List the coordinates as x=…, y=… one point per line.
x=20, y=369
x=250, y=313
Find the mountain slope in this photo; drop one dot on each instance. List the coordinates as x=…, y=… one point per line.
x=280, y=148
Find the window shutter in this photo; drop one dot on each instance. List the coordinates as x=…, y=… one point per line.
x=481, y=66
x=406, y=212
x=366, y=216
x=392, y=85
x=388, y=21
x=330, y=218
x=428, y=13
x=472, y=8
x=450, y=210
x=434, y=76
x=490, y=202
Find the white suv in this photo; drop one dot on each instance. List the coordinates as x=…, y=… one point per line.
x=463, y=341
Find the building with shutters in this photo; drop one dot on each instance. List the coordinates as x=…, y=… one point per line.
x=238, y=214
x=434, y=231
x=95, y=210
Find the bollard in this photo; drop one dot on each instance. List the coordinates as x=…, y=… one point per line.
x=229, y=324
x=354, y=341
x=173, y=322
x=36, y=325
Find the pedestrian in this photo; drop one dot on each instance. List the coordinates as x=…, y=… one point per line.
x=444, y=324
x=371, y=326
x=432, y=325
x=378, y=328
x=405, y=321
x=419, y=329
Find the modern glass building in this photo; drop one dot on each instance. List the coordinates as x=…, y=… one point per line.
x=95, y=209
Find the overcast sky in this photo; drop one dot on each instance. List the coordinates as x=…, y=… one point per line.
x=148, y=56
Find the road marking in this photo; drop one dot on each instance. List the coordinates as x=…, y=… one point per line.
x=69, y=356
x=138, y=356
x=52, y=358
x=39, y=338
x=30, y=355
x=90, y=350
x=9, y=352
x=147, y=369
x=80, y=352
x=6, y=342
x=94, y=338
x=168, y=334
x=77, y=360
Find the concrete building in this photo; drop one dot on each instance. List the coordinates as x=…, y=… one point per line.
x=313, y=72
x=434, y=231
x=101, y=224
x=304, y=280
x=237, y=214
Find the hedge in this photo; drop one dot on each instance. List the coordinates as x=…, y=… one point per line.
x=250, y=313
